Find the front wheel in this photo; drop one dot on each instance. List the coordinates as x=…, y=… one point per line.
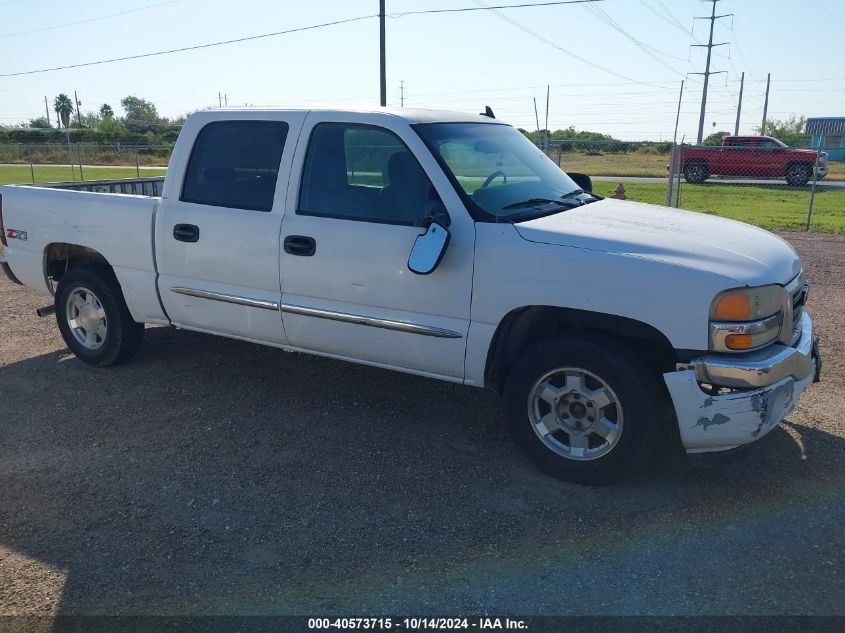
x=798, y=175
x=696, y=173
x=582, y=409
x=93, y=318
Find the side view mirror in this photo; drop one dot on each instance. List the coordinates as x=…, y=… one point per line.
x=582, y=180
x=428, y=249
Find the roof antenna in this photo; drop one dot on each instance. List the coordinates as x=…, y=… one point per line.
x=488, y=112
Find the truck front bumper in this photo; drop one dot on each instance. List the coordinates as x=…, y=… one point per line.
x=768, y=385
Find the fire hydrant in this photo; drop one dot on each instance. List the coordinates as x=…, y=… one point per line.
x=619, y=192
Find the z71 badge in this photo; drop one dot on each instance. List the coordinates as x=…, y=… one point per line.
x=14, y=234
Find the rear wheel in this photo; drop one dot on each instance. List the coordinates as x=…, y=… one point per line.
x=93, y=318
x=798, y=175
x=583, y=409
x=696, y=173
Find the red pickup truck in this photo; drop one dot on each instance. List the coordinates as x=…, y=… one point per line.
x=752, y=156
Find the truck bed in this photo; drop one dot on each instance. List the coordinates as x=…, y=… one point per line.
x=131, y=186
x=96, y=215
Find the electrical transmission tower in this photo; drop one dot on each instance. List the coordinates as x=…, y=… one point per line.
x=709, y=46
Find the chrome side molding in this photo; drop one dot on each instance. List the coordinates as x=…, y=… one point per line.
x=227, y=298
x=412, y=328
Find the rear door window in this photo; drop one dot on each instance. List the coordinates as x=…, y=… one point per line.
x=235, y=164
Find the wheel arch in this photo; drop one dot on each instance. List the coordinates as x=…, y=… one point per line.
x=59, y=257
x=697, y=160
x=525, y=326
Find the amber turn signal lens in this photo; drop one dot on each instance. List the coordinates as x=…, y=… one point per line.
x=739, y=341
x=733, y=306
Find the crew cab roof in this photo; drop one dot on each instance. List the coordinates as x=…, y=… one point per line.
x=411, y=115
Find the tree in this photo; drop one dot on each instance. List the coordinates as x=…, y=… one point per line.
x=106, y=111
x=715, y=138
x=111, y=129
x=41, y=123
x=790, y=131
x=141, y=115
x=64, y=108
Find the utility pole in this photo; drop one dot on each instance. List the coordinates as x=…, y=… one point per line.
x=402, y=92
x=546, y=128
x=675, y=158
x=382, y=55
x=678, y=115
x=47, y=109
x=710, y=45
x=77, y=103
x=766, y=105
x=225, y=100
x=219, y=99
x=537, y=119
x=739, y=105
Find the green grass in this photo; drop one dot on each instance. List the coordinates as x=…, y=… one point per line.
x=21, y=174
x=770, y=208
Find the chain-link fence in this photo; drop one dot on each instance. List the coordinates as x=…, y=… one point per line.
x=772, y=185
x=38, y=163
x=769, y=185
x=760, y=181
x=635, y=171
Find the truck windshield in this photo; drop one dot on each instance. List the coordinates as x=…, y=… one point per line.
x=500, y=171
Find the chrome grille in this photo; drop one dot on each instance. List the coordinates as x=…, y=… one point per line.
x=797, y=289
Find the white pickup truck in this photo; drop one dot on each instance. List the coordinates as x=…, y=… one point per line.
x=445, y=245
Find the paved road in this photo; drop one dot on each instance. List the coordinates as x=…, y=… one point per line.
x=835, y=184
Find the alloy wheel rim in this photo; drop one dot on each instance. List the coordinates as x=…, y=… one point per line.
x=575, y=414
x=86, y=318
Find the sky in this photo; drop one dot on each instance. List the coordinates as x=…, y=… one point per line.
x=613, y=66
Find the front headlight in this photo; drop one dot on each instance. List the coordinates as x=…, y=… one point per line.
x=746, y=318
x=747, y=304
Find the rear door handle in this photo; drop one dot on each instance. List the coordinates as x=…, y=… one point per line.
x=186, y=232
x=301, y=245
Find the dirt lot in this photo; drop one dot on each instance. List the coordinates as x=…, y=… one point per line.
x=213, y=476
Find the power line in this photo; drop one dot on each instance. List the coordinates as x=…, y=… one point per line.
x=191, y=48
x=672, y=16
x=604, y=17
x=663, y=17
x=565, y=51
x=102, y=17
x=490, y=8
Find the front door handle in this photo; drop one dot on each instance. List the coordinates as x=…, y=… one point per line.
x=301, y=245
x=186, y=232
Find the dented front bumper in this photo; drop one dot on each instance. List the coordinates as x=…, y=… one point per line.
x=720, y=422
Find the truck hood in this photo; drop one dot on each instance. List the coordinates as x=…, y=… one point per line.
x=746, y=254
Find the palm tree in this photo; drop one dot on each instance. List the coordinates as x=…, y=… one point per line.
x=64, y=108
x=106, y=111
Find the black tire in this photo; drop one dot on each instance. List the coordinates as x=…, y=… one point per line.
x=798, y=174
x=635, y=384
x=123, y=336
x=696, y=173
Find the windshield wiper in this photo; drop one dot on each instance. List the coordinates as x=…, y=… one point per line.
x=530, y=202
x=573, y=193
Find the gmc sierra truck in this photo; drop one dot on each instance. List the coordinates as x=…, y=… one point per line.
x=753, y=156
x=445, y=245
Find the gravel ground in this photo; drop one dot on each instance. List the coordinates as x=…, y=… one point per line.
x=213, y=476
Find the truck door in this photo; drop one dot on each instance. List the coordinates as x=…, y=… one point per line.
x=768, y=155
x=351, y=221
x=217, y=229
x=736, y=158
